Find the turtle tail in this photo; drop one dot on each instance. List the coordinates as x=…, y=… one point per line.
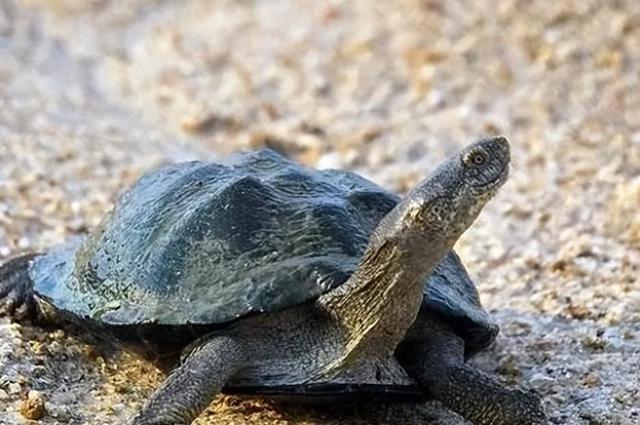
x=16, y=289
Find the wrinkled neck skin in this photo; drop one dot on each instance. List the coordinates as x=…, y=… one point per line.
x=380, y=301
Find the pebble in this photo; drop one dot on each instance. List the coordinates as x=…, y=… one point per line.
x=33, y=407
x=15, y=388
x=541, y=382
x=61, y=413
x=595, y=410
x=613, y=338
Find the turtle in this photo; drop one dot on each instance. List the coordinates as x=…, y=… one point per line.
x=258, y=275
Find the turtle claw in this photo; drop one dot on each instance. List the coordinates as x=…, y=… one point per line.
x=16, y=289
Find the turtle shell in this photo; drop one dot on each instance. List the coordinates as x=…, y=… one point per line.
x=207, y=243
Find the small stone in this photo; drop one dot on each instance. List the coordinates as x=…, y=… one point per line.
x=509, y=367
x=541, y=382
x=14, y=388
x=613, y=338
x=595, y=344
x=33, y=407
x=61, y=413
x=591, y=380
x=119, y=408
x=39, y=348
x=207, y=123
x=578, y=311
x=595, y=409
x=3, y=394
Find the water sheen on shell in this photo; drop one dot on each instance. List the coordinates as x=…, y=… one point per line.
x=205, y=243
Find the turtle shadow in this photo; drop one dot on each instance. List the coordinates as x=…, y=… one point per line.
x=234, y=409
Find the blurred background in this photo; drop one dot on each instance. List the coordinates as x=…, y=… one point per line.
x=95, y=92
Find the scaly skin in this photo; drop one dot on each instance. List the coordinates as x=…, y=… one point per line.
x=434, y=356
x=190, y=388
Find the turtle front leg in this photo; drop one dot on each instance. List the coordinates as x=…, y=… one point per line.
x=434, y=355
x=191, y=387
x=16, y=289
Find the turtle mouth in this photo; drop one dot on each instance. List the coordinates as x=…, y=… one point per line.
x=495, y=183
x=503, y=176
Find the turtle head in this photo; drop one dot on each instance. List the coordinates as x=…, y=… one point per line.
x=383, y=296
x=442, y=206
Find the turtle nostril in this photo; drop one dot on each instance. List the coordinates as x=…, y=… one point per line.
x=503, y=146
x=502, y=142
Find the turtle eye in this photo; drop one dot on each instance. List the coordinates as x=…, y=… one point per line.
x=476, y=157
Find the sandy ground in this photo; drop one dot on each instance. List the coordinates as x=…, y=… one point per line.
x=93, y=93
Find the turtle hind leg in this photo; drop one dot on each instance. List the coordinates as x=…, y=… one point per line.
x=16, y=289
x=434, y=356
x=191, y=387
